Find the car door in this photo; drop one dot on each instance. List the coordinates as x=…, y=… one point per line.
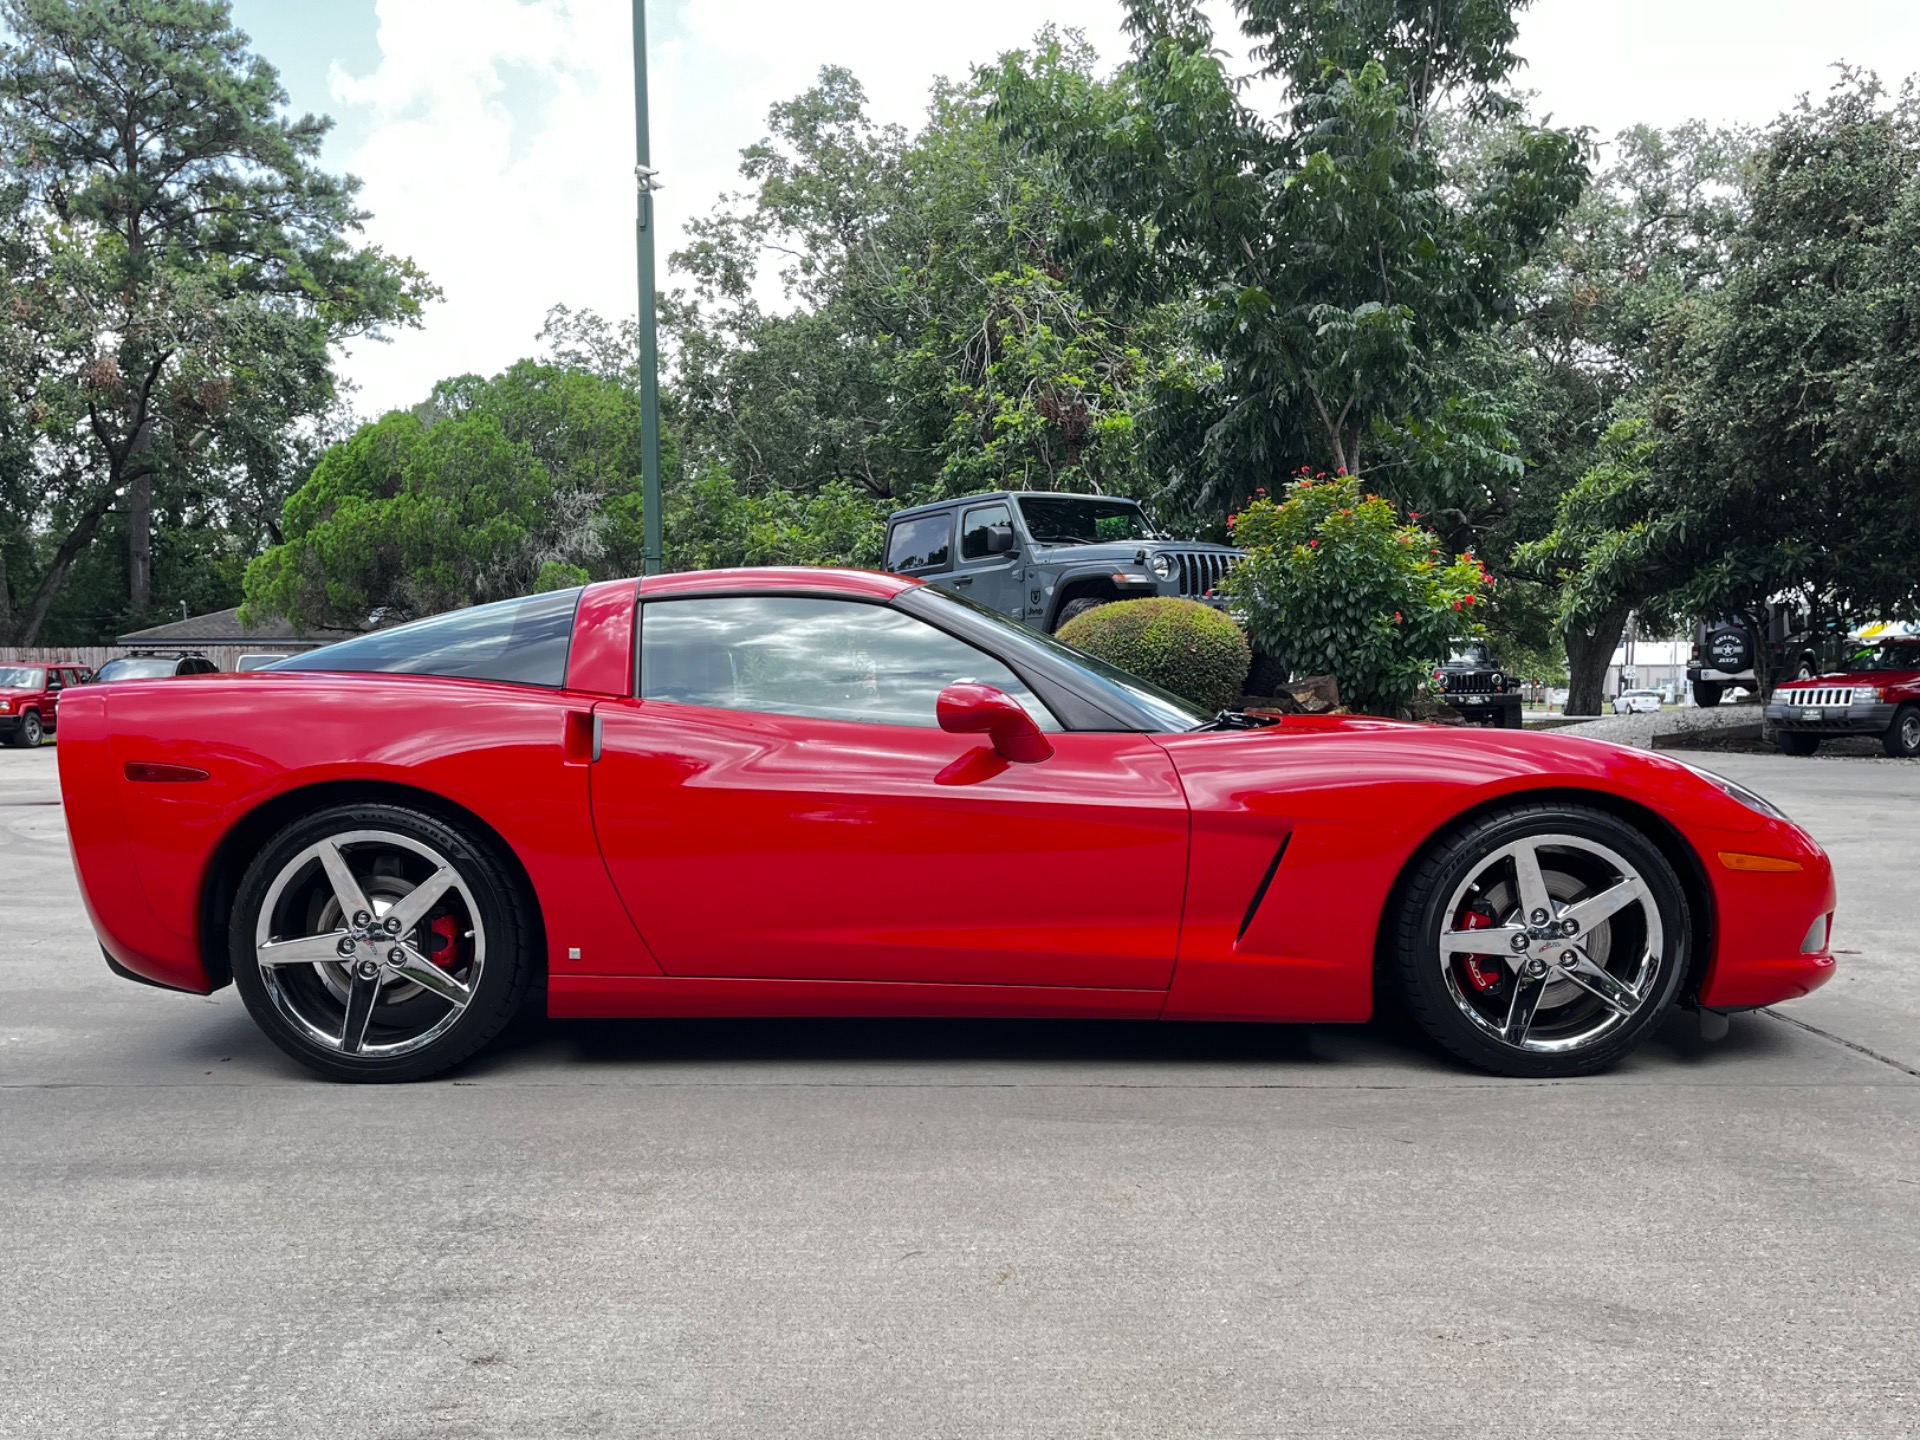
x=780, y=803
x=992, y=577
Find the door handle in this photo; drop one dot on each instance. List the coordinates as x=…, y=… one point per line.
x=964, y=580
x=581, y=745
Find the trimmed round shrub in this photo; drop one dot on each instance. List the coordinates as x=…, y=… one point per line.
x=1180, y=645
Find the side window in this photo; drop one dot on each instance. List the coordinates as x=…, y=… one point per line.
x=519, y=642
x=923, y=543
x=824, y=659
x=56, y=680
x=975, y=528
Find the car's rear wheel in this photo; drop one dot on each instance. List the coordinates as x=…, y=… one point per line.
x=376, y=942
x=1798, y=742
x=1902, y=740
x=1707, y=693
x=27, y=733
x=1543, y=940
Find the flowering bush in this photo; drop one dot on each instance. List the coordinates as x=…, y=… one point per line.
x=1335, y=583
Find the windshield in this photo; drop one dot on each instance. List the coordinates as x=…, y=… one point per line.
x=1470, y=655
x=1887, y=655
x=22, y=677
x=1083, y=520
x=1159, y=709
x=131, y=669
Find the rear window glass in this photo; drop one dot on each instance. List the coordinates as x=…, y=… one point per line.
x=518, y=642
x=921, y=544
x=129, y=668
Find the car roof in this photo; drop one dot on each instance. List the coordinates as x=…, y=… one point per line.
x=958, y=500
x=790, y=579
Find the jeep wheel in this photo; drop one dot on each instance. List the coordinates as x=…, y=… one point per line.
x=1707, y=693
x=1902, y=740
x=1798, y=742
x=1074, y=609
x=27, y=734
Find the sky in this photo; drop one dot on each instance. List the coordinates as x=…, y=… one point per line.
x=495, y=137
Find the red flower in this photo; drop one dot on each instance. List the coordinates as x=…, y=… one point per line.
x=1341, y=471
x=1413, y=514
x=1314, y=543
x=1230, y=520
x=1456, y=604
x=1396, y=617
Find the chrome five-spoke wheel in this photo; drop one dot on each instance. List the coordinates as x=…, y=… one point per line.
x=375, y=942
x=361, y=934
x=1542, y=940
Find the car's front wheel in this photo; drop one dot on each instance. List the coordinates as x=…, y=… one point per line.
x=27, y=733
x=1542, y=940
x=378, y=942
x=1902, y=740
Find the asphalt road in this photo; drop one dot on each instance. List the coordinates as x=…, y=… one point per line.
x=962, y=1229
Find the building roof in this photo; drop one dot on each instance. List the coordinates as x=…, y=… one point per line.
x=223, y=627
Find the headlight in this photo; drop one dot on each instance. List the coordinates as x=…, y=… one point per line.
x=1868, y=694
x=5, y=706
x=1736, y=791
x=1162, y=566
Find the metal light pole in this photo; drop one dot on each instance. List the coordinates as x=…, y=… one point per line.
x=649, y=182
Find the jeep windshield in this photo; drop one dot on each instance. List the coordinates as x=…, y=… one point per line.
x=1083, y=520
x=1887, y=655
x=22, y=677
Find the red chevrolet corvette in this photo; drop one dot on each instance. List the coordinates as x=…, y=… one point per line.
x=807, y=792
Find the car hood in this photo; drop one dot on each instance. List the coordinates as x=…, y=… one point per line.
x=7, y=692
x=1853, y=677
x=1118, y=552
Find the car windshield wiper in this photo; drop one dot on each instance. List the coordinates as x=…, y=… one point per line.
x=1063, y=540
x=1238, y=720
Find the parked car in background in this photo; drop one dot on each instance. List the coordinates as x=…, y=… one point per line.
x=1724, y=653
x=30, y=700
x=1876, y=692
x=1636, y=702
x=156, y=667
x=1044, y=558
x=1476, y=684
x=256, y=662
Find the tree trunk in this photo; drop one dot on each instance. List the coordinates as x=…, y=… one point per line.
x=1589, y=653
x=140, y=519
x=6, y=598
x=77, y=540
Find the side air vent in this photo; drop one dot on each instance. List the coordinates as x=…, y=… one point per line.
x=1260, y=891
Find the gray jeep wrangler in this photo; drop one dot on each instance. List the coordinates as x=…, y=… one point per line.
x=1044, y=558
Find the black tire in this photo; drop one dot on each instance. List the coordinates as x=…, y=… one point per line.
x=27, y=732
x=1707, y=693
x=1507, y=717
x=1798, y=742
x=1266, y=677
x=1580, y=852
x=409, y=1031
x=1902, y=740
x=1074, y=609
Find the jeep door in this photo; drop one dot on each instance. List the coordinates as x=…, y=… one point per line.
x=990, y=576
x=780, y=803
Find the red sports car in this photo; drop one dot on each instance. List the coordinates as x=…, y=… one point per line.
x=808, y=792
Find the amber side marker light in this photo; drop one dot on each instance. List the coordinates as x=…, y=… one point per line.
x=147, y=772
x=1766, y=864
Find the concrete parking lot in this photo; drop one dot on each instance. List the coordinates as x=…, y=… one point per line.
x=963, y=1229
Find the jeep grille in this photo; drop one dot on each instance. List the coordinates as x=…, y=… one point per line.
x=1201, y=570
x=1836, y=697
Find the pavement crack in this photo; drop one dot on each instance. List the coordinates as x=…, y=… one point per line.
x=1887, y=1060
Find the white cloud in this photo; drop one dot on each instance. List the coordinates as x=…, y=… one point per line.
x=500, y=132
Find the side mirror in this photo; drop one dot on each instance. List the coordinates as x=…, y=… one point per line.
x=970, y=709
x=1000, y=540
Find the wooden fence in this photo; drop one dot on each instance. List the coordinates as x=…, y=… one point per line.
x=94, y=656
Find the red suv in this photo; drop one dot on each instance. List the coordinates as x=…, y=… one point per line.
x=30, y=699
x=1877, y=692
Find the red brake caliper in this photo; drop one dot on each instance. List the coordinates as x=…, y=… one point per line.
x=445, y=943
x=1484, y=971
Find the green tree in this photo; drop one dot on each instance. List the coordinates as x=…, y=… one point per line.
x=490, y=489
x=1324, y=259
x=191, y=268
x=1335, y=583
